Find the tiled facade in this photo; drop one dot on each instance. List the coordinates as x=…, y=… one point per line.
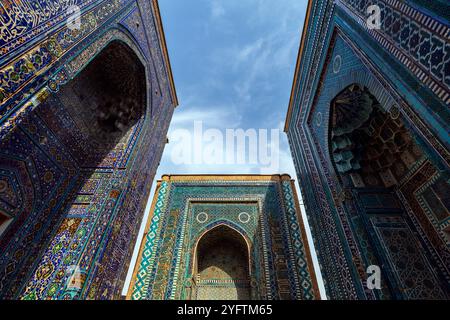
x=83, y=120
x=368, y=126
x=224, y=237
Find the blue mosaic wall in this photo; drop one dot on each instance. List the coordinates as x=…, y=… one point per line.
x=405, y=66
x=264, y=211
x=73, y=201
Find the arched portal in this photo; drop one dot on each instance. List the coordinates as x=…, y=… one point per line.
x=61, y=164
x=104, y=102
x=379, y=164
x=222, y=266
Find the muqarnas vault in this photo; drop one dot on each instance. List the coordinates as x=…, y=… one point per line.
x=224, y=237
x=368, y=126
x=83, y=120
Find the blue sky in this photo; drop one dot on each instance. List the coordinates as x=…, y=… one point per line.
x=233, y=63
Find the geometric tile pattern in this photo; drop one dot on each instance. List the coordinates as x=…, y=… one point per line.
x=151, y=240
x=404, y=66
x=75, y=174
x=263, y=210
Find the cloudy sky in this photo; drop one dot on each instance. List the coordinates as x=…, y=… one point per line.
x=233, y=63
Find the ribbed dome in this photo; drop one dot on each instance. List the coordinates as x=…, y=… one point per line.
x=351, y=110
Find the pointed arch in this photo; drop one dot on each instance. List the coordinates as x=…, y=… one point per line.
x=222, y=266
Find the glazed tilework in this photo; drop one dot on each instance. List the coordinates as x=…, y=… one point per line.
x=404, y=67
x=263, y=212
x=404, y=253
x=74, y=187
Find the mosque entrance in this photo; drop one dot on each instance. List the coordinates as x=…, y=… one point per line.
x=222, y=270
x=378, y=163
x=62, y=166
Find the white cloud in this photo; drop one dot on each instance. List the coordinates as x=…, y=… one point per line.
x=217, y=9
x=217, y=116
x=273, y=52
